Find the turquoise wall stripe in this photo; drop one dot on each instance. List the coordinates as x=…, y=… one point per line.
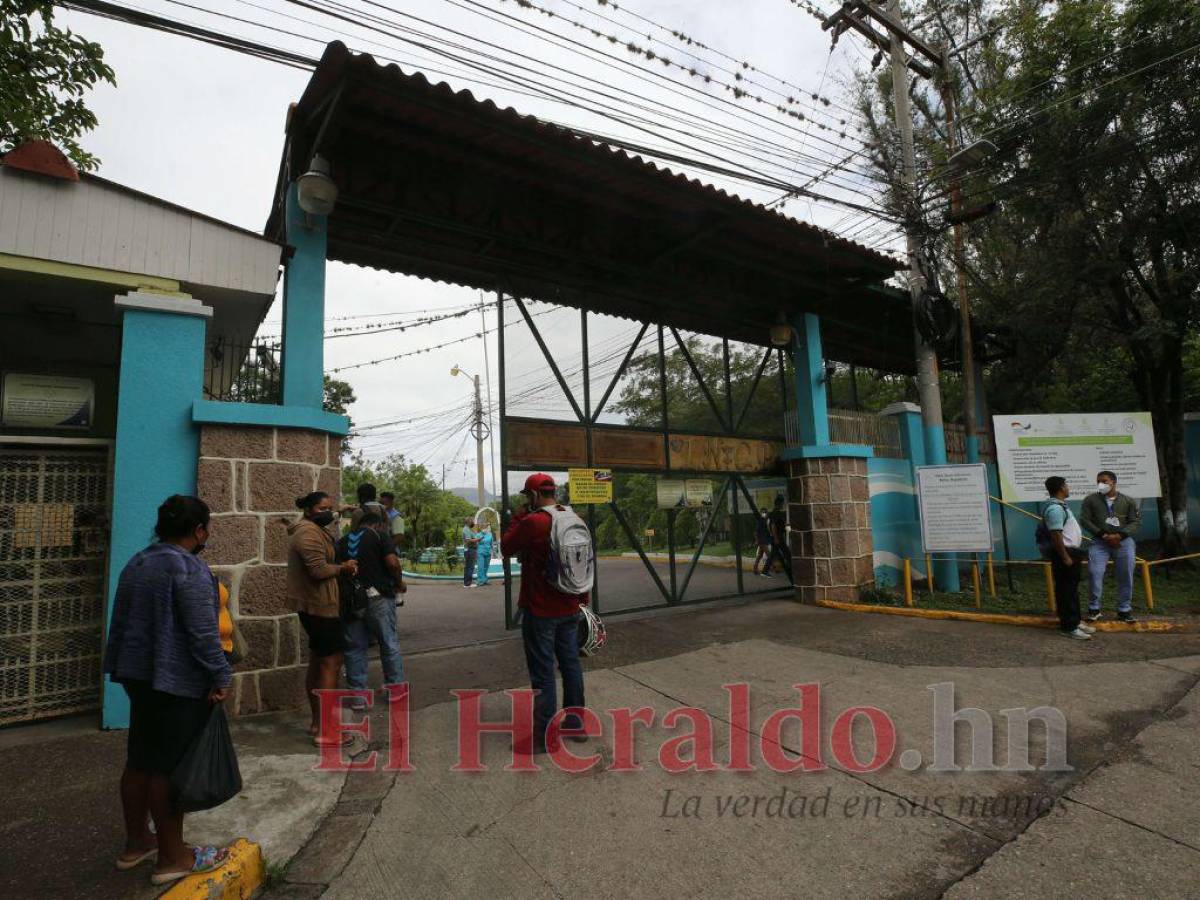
x=213, y=412
x=304, y=308
x=827, y=450
x=162, y=366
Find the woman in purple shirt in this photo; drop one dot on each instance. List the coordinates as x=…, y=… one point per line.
x=164, y=648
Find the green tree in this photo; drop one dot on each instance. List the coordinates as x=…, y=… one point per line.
x=45, y=72
x=432, y=516
x=1088, y=273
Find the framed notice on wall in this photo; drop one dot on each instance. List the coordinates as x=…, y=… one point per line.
x=955, y=512
x=1029, y=449
x=46, y=401
x=590, y=486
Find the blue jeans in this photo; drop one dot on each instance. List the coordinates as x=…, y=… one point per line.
x=469, y=565
x=378, y=623
x=548, y=640
x=1099, y=553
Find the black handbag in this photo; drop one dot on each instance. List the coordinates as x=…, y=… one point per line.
x=353, y=598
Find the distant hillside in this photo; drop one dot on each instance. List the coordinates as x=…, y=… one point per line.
x=471, y=495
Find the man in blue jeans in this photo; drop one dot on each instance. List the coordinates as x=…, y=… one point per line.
x=379, y=571
x=1111, y=519
x=550, y=618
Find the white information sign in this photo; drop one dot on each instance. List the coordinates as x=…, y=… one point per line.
x=955, y=513
x=46, y=401
x=1076, y=446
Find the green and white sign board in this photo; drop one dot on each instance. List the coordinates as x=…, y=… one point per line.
x=1029, y=449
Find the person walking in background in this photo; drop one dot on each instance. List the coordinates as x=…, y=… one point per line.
x=779, y=536
x=762, y=538
x=550, y=618
x=312, y=587
x=484, y=554
x=470, y=551
x=1065, y=558
x=1111, y=519
x=164, y=648
x=395, y=521
x=380, y=575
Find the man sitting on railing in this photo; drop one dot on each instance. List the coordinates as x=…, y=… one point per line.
x=1110, y=519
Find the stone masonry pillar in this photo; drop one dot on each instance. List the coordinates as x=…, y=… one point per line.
x=830, y=515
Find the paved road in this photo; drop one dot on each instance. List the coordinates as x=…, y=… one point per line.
x=1130, y=701
x=440, y=614
x=1122, y=821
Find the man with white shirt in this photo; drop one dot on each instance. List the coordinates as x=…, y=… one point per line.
x=1110, y=519
x=1066, y=558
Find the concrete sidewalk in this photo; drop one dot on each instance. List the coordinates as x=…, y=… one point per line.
x=1129, y=700
x=439, y=833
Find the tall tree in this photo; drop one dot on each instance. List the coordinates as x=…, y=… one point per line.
x=45, y=72
x=1091, y=265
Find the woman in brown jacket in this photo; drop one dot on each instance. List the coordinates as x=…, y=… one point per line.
x=312, y=586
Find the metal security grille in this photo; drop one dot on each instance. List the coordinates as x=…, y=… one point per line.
x=53, y=543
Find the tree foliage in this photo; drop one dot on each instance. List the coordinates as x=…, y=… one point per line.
x=433, y=516
x=1088, y=272
x=45, y=72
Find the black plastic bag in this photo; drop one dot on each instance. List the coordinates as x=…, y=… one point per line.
x=208, y=774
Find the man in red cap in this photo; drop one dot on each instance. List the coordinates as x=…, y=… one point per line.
x=550, y=618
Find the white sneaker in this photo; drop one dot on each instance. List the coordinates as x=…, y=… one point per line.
x=1078, y=634
x=1086, y=629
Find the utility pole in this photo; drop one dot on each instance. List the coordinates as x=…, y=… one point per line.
x=487, y=374
x=970, y=425
x=863, y=16
x=479, y=433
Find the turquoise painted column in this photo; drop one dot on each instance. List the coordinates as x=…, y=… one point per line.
x=808, y=361
x=914, y=441
x=162, y=375
x=304, y=307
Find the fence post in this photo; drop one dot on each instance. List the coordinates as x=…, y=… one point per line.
x=991, y=576
x=975, y=579
x=1050, y=599
x=1147, y=585
x=908, y=591
x=929, y=572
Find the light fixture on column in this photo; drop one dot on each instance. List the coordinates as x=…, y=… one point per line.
x=315, y=190
x=782, y=332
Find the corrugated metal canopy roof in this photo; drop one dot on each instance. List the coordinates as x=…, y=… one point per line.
x=441, y=185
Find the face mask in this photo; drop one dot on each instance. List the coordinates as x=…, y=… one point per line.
x=1102, y=488
x=198, y=549
x=324, y=519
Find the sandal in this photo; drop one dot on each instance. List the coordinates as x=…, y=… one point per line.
x=205, y=859
x=125, y=863
x=345, y=741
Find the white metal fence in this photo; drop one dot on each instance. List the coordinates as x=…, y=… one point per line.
x=53, y=542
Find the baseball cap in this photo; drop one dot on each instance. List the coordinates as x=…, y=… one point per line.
x=539, y=483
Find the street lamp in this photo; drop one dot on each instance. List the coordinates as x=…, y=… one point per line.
x=315, y=190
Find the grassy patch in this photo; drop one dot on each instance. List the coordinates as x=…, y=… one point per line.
x=1176, y=592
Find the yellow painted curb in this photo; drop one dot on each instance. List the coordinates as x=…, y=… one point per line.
x=1155, y=626
x=236, y=880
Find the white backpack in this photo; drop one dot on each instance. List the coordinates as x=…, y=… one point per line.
x=571, y=565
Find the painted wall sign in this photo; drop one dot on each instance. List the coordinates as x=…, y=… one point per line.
x=536, y=444
x=956, y=515
x=1030, y=449
x=702, y=453
x=684, y=493
x=622, y=447
x=545, y=444
x=590, y=485
x=47, y=401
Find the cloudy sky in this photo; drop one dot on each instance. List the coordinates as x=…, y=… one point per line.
x=202, y=127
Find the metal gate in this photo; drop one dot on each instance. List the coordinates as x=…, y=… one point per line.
x=53, y=545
